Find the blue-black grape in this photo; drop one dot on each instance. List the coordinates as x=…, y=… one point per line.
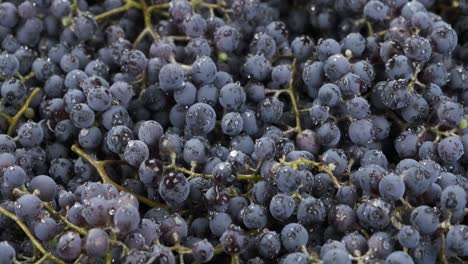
x=7, y=253
x=293, y=236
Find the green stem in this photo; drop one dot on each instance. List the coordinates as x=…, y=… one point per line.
x=28, y=233
x=14, y=120
x=100, y=167
x=321, y=167
x=82, y=231
x=128, y=5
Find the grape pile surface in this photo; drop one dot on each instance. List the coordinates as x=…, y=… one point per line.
x=234, y=131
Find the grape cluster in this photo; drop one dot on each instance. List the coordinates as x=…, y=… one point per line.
x=241, y=131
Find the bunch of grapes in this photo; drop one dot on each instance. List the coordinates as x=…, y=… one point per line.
x=241, y=131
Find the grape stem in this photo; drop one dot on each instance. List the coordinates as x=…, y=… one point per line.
x=12, y=121
x=80, y=230
x=101, y=169
x=442, y=254
x=28, y=233
x=128, y=5
x=320, y=166
x=292, y=95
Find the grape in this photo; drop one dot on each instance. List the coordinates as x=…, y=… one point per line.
x=8, y=13
x=122, y=92
x=293, y=236
x=174, y=188
x=99, y=99
x=375, y=10
x=45, y=185
x=452, y=202
x=84, y=26
x=69, y=62
x=69, y=246
x=408, y=236
x=319, y=114
x=45, y=229
x=392, y=187
x=271, y=110
x=227, y=38
x=287, y=180
x=196, y=150
x=399, y=257
x=126, y=219
x=14, y=176
x=171, y=77
x=342, y=217
x=198, y=47
x=263, y=43
x=27, y=9
x=381, y=244
x=232, y=124
x=90, y=138
x=444, y=39
x=299, y=258
x=118, y=138
x=254, y=217
x=406, y=144
x=310, y=211
x=336, y=66
x=355, y=243
x=136, y=152
x=449, y=113
x=450, y=149
x=425, y=219
x=174, y=229
x=9, y=65
x=257, y=67
x=329, y=134
x=277, y=30
x=374, y=213
x=398, y=67
x=7, y=253
x=201, y=118
x=203, y=70
x=361, y=132
x=203, y=251
x=456, y=240
x=354, y=42
x=13, y=91
x=82, y=115
x=219, y=223
x=27, y=207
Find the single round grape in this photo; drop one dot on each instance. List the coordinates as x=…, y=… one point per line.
x=69, y=246
x=174, y=188
x=425, y=219
x=27, y=207
x=269, y=244
x=232, y=123
x=293, y=236
x=126, y=219
x=7, y=253
x=200, y=118
x=392, y=187
x=82, y=115
x=282, y=206
x=203, y=70
x=45, y=229
x=14, y=176
x=254, y=216
x=203, y=251
x=45, y=185
x=136, y=152
x=408, y=236
x=219, y=223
